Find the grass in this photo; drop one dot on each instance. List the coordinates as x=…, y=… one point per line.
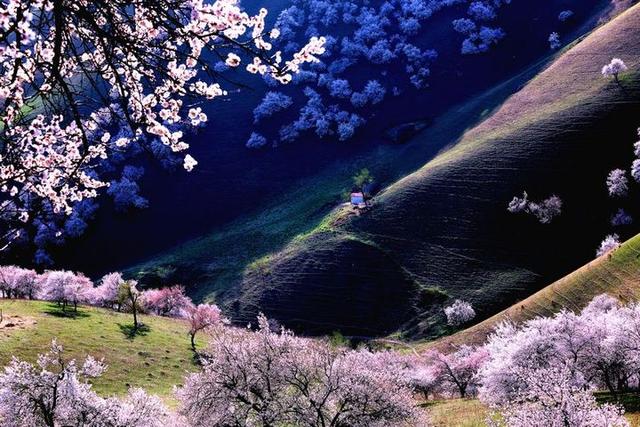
x=473, y=413
x=157, y=358
x=457, y=412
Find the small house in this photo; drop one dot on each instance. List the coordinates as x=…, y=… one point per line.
x=357, y=199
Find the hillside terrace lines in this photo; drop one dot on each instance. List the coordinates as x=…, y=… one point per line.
x=618, y=276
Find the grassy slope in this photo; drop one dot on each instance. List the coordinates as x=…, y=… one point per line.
x=617, y=275
x=156, y=360
x=472, y=413
x=446, y=226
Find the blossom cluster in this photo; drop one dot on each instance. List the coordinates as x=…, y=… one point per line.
x=381, y=39
x=545, y=369
x=58, y=392
x=71, y=289
x=271, y=377
x=544, y=211
x=83, y=81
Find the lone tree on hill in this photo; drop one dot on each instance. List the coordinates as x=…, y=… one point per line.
x=130, y=295
x=201, y=317
x=614, y=68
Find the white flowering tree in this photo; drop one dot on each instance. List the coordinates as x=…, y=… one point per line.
x=83, y=80
x=608, y=244
x=614, y=68
x=57, y=392
x=459, y=312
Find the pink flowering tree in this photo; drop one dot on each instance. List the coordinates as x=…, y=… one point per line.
x=617, y=183
x=553, y=398
x=18, y=282
x=201, y=317
x=65, y=288
x=107, y=294
x=57, y=392
x=457, y=372
x=275, y=378
x=83, y=80
x=459, y=313
x=425, y=379
x=78, y=291
x=169, y=301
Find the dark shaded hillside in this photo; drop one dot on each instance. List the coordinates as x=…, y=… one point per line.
x=446, y=226
x=617, y=275
x=372, y=295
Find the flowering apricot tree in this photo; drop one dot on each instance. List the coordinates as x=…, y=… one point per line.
x=57, y=392
x=202, y=316
x=271, y=378
x=83, y=80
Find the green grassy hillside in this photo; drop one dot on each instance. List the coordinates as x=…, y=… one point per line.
x=156, y=359
x=444, y=231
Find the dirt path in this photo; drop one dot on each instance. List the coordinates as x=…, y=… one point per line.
x=12, y=323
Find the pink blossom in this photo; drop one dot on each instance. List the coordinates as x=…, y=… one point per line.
x=170, y=301
x=274, y=378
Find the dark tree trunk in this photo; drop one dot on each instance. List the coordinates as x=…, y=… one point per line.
x=135, y=317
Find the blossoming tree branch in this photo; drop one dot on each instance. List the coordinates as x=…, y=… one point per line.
x=83, y=81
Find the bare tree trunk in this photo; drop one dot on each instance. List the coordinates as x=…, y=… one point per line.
x=135, y=316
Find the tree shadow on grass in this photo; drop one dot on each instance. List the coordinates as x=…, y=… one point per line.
x=130, y=332
x=69, y=313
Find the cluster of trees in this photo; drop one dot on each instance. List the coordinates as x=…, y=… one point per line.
x=544, y=211
x=542, y=372
x=56, y=392
x=547, y=368
x=262, y=377
x=86, y=86
x=379, y=38
x=69, y=289
x=271, y=377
